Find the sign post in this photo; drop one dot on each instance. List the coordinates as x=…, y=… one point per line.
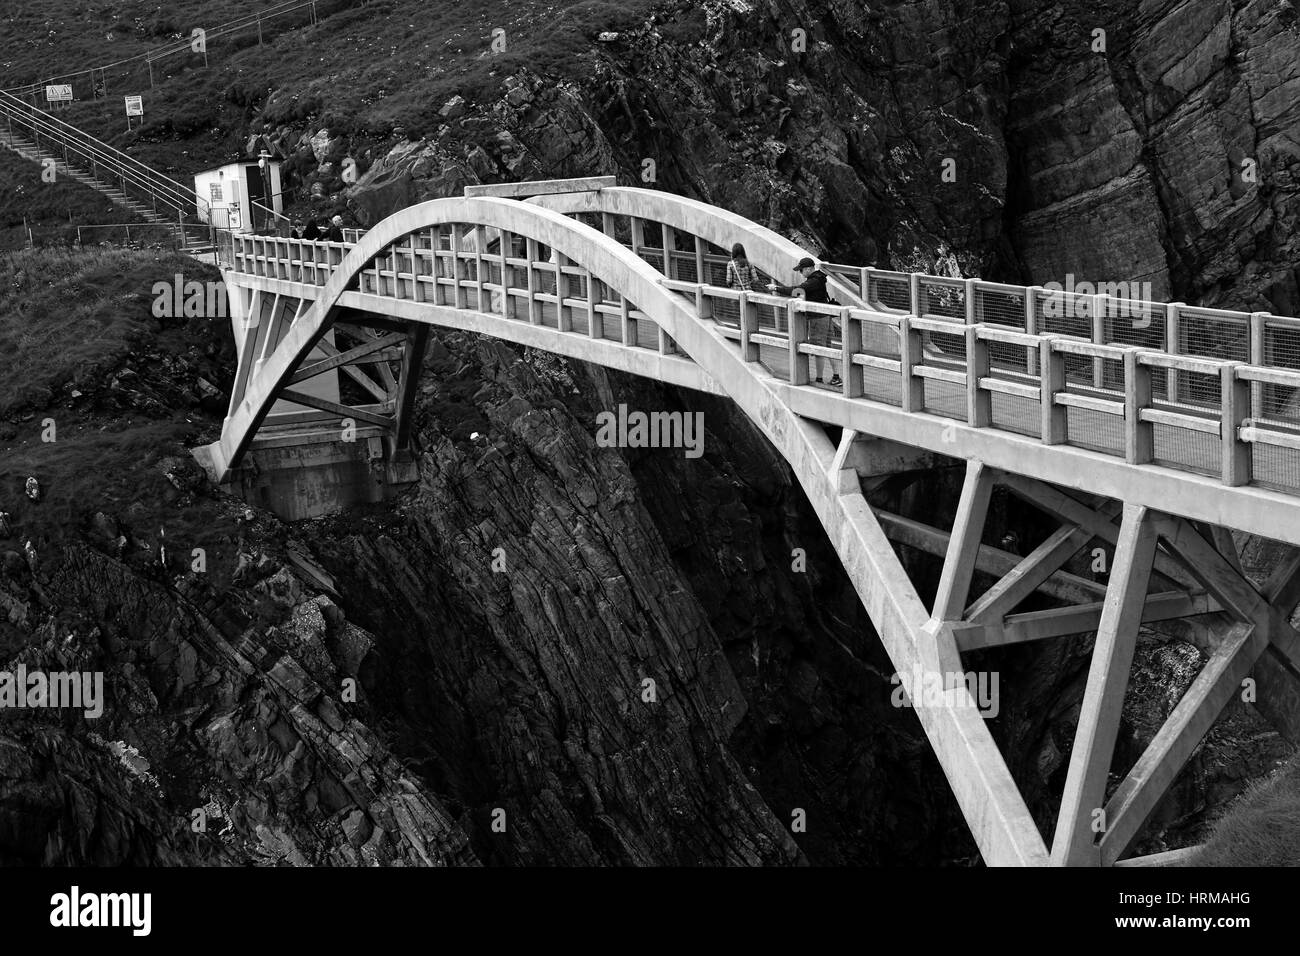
x=134, y=107
x=58, y=93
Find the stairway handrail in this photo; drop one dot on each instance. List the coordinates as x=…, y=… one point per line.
x=89, y=146
x=51, y=121
x=123, y=175
x=145, y=178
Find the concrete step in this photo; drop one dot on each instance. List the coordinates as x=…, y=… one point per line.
x=30, y=151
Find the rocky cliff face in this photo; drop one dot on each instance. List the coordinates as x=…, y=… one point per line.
x=397, y=685
x=550, y=652
x=616, y=647
x=1022, y=141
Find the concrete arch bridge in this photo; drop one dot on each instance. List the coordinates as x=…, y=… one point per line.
x=1154, y=429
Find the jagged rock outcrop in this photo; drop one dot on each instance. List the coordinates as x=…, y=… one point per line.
x=222, y=740
x=1013, y=141
x=522, y=690
x=525, y=594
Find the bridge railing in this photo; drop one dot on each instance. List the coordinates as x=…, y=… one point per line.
x=1084, y=370
x=1225, y=418
x=278, y=257
x=1103, y=318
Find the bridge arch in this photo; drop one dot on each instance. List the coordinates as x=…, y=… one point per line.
x=1003, y=828
x=768, y=250
x=890, y=421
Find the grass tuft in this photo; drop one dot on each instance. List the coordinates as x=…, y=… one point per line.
x=1262, y=828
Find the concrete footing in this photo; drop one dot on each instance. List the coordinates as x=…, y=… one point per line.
x=302, y=476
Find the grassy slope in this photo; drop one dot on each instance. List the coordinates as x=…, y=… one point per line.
x=1262, y=828
x=68, y=322
x=75, y=321
x=46, y=207
x=366, y=68
x=64, y=315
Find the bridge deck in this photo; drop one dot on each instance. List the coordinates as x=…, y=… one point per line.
x=1110, y=395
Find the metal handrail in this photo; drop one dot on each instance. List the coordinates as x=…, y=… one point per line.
x=171, y=48
x=121, y=165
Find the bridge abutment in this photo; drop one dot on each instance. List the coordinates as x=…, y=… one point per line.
x=308, y=475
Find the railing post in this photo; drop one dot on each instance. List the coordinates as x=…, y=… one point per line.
x=854, y=376
x=911, y=392
x=1031, y=326
x=979, y=401
x=666, y=344
x=699, y=262
x=534, y=307
x=563, y=314
x=636, y=228
x=1235, y=402
x=748, y=327
x=1258, y=329
x=507, y=247
x=460, y=298
x=797, y=335
x=969, y=295
x=1052, y=380
x=914, y=293
x=670, y=246
x=864, y=280
x=1097, y=306
x=1139, y=444
x=703, y=304
x=628, y=322
x=595, y=321
x=480, y=246
x=1172, y=335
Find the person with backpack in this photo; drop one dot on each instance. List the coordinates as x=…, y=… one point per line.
x=813, y=289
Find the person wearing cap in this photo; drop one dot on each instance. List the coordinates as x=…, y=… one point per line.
x=813, y=289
